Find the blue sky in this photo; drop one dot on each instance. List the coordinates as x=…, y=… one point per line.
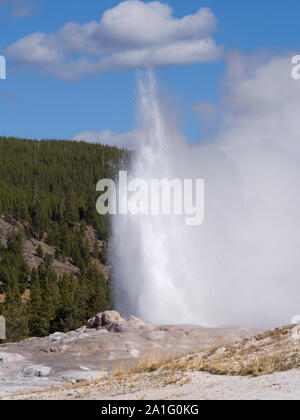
x=36, y=104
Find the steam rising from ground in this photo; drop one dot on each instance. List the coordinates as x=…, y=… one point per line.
x=242, y=266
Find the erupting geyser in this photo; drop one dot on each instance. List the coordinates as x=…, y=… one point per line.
x=242, y=265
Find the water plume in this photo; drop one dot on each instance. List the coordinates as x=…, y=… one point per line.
x=242, y=266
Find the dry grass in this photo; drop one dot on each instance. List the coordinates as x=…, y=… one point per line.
x=154, y=368
x=273, y=351
x=150, y=362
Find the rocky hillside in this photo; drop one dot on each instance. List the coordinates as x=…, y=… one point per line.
x=30, y=246
x=43, y=290
x=8, y=226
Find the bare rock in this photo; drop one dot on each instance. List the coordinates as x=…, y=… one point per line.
x=98, y=322
x=131, y=324
x=135, y=353
x=91, y=323
x=95, y=322
x=9, y=358
x=54, y=349
x=36, y=371
x=78, y=377
x=104, y=320
x=110, y=317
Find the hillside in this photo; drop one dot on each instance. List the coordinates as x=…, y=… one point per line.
x=53, y=244
x=34, y=261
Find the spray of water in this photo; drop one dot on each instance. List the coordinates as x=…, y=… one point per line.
x=242, y=265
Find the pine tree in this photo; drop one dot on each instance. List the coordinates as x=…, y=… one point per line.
x=39, y=252
x=96, y=284
x=14, y=311
x=96, y=251
x=38, y=323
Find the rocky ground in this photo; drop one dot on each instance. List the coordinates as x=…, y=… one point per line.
x=199, y=386
x=115, y=358
x=107, y=344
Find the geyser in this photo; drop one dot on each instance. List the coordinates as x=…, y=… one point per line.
x=242, y=265
x=157, y=196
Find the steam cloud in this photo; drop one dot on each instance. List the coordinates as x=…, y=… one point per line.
x=242, y=266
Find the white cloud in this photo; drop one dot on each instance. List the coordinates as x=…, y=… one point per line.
x=107, y=137
x=20, y=8
x=133, y=34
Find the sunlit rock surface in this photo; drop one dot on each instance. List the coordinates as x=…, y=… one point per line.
x=107, y=344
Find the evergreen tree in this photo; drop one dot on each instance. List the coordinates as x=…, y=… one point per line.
x=39, y=252
x=14, y=311
x=50, y=187
x=38, y=323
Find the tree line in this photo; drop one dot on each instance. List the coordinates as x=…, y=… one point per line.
x=49, y=186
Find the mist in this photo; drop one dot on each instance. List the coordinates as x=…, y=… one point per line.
x=242, y=265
